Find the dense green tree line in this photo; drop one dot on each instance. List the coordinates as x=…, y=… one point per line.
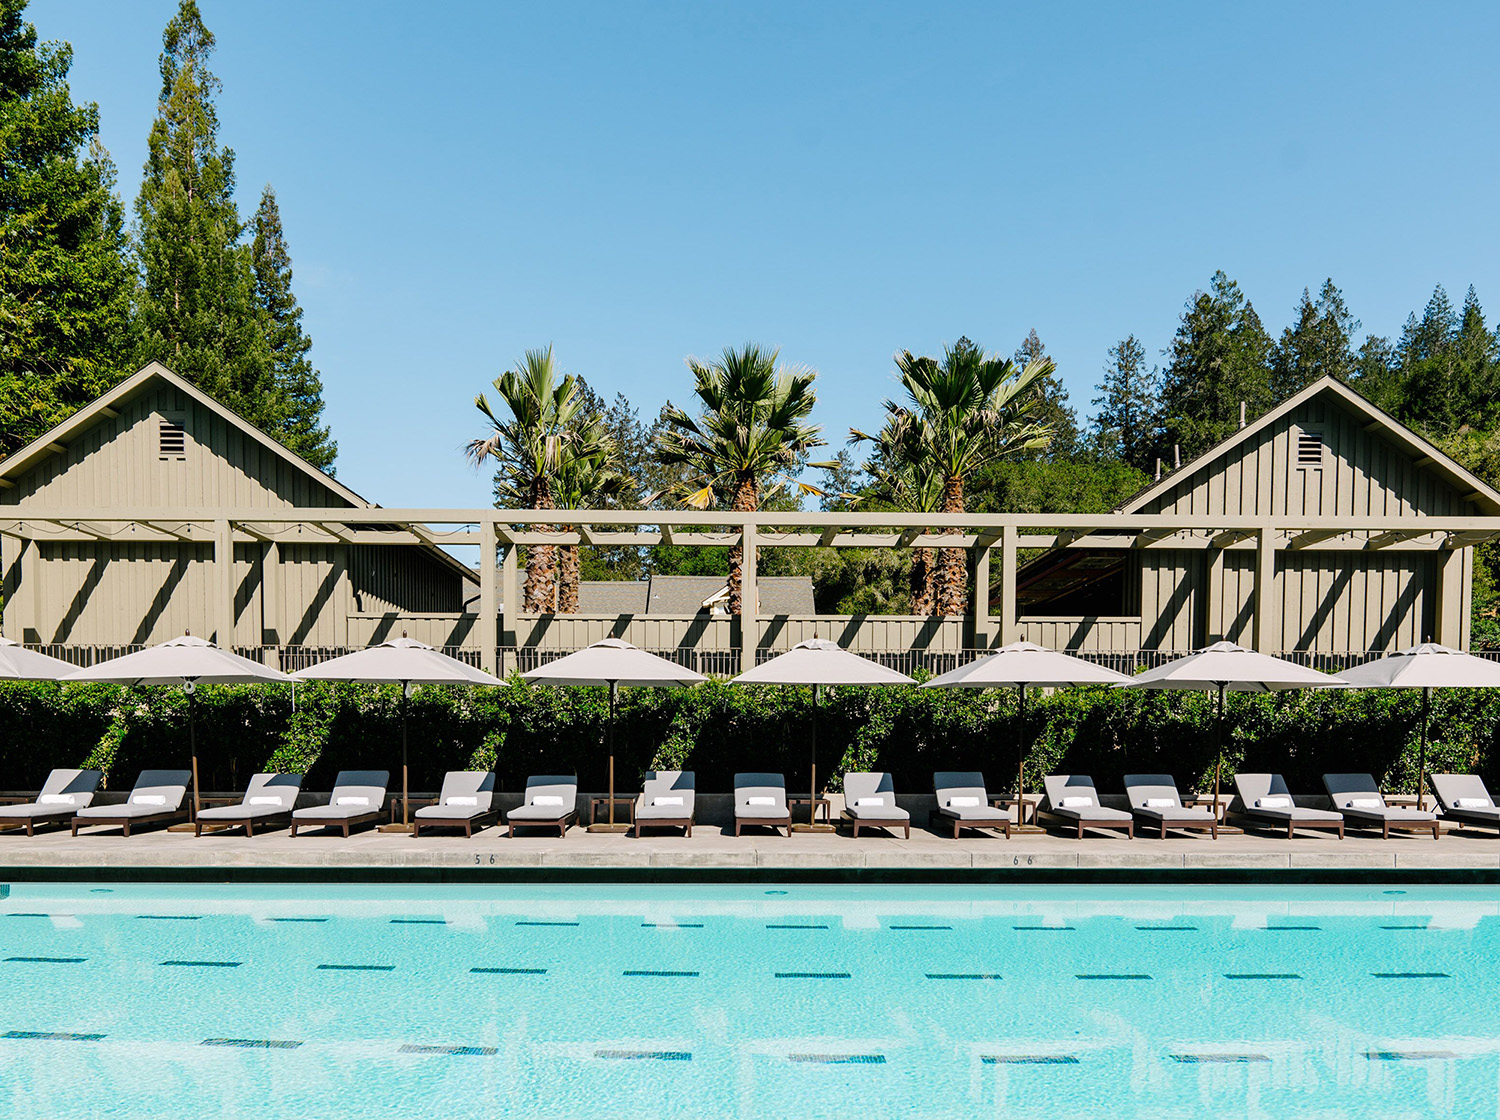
x=85, y=301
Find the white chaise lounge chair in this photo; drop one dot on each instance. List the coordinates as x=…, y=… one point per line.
x=551, y=802
x=667, y=800
x=1154, y=800
x=62, y=794
x=1072, y=798
x=269, y=797
x=870, y=802
x=357, y=798
x=963, y=802
x=158, y=796
x=1358, y=798
x=760, y=799
x=1465, y=800
x=1264, y=798
x=466, y=799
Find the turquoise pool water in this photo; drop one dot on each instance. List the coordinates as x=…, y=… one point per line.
x=281, y=1002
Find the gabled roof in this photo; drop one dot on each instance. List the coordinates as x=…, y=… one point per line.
x=105, y=406
x=1465, y=481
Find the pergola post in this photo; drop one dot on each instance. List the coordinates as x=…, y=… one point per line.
x=1213, y=611
x=1452, y=595
x=1010, y=627
x=222, y=596
x=749, y=600
x=1267, y=607
x=982, y=596
x=270, y=594
x=489, y=608
x=11, y=549
x=510, y=596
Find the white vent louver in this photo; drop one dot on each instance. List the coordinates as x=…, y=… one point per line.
x=1309, y=449
x=172, y=439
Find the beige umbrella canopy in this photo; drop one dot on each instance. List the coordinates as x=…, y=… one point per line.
x=1023, y=665
x=1426, y=666
x=187, y=661
x=817, y=662
x=613, y=662
x=1223, y=667
x=404, y=661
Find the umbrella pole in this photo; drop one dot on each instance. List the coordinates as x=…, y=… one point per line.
x=614, y=689
x=1021, y=764
x=1422, y=751
x=1218, y=745
x=812, y=800
x=405, y=773
x=193, y=751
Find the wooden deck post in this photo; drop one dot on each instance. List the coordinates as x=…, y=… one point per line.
x=1010, y=627
x=982, y=635
x=222, y=596
x=489, y=608
x=510, y=597
x=749, y=602
x=1267, y=605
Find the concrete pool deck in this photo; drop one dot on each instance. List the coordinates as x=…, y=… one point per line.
x=713, y=848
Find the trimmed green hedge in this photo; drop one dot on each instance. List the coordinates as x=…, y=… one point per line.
x=717, y=729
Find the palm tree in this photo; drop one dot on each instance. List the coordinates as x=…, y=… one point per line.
x=747, y=443
x=534, y=446
x=962, y=413
x=590, y=480
x=903, y=477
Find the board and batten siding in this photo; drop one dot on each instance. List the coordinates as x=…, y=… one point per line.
x=1331, y=600
x=129, y=593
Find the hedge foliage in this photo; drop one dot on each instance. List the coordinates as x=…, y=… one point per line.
x=717, y=729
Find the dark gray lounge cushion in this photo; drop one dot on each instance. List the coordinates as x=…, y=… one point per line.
x=1347, y=789
x=466, y=794
x=267, y=795
x=559, y=794
x=1155, y=797
x=1467, y=788
x=1077, y=787
x=356, y=793
x=156, y=792
x=667, y=795
x=871, y=796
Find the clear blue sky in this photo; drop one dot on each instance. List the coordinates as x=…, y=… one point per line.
x=637, y=183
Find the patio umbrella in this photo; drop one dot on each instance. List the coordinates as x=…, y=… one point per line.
x=1223, y=667
x=404, y=661
x=1023, y=665
x=17, y=663
x=1426, y=666
x=817, y=662
x=187, y=661
x=613, y=662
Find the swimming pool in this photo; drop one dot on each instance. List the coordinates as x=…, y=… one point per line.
x=749, y=1000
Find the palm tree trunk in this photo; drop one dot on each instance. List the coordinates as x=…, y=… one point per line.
x=541, y=563
x=568, y=569
x=952, y=578
x=746, y=498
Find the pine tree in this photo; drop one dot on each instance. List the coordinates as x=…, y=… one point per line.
x=298, y=389
x=197, y=309
x=1220, y=358
x=1125, y=412
x=1051, y=408
x=65, y=284
x=1319, y=343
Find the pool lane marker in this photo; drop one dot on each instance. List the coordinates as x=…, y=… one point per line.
x=510, y=971
x=1218, y=1059
x=1405, y=927
x=356, y=967
x=1028, y=1059
x=1411, y=976
x=253, y=1043
x=1409, y=1055
x=1290, y=929
x=1049, y=929
x=812, y=976
x=546, y=923
x=1262, y=976
x=18, y=914
x=794, y=927
x=453, y=1051
x=838, y=1059
x=201, y=964
x=921, y=927
x=1112, y=976
x=650, y=972
x=169, y=917
x=51, y=1036
x=45, y=960
x=671, y=925
x=299, y=919
x=645, y=1055
x=1167, y=929
x=964, y=976
x=419, y=921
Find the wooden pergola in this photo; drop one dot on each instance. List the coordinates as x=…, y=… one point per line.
x=992, y=539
